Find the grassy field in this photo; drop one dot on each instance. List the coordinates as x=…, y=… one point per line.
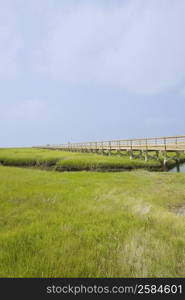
x=91, y=224
x=73, y=161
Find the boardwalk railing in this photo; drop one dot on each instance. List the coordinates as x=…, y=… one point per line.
x=172, y=143
x=135, y=148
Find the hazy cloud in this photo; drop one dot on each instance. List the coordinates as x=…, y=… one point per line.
x=138, y=46
x=91, y=69
x=11, y=42
x=25, y=110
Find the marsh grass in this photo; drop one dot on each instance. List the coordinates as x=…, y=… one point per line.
x=100, y=162
x=91, y=224
x=76, y=161
x=28, y=157
x=67, y=161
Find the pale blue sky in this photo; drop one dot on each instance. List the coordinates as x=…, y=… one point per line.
x=87, y=70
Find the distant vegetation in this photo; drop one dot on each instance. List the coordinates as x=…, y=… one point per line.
x=89, y=224
x=67, y=161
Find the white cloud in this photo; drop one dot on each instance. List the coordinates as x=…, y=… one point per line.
x=138, y=46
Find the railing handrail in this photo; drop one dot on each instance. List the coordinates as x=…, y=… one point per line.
x=159, y=141
x=126, y=140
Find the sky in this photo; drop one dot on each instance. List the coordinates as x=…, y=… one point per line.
x=90, y=70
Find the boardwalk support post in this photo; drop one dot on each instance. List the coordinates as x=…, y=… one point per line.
x=140, y=154
x=177, y=157
x=110, y=149
x=157, y=154
x=146, y=155
x=130, y=152
x=118, y=148
x=96, y=148
x=165, y=159
x=102, y=148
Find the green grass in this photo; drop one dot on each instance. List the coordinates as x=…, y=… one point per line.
x=28, y=157
x=99, y=162
x=91, y=224
x=76, y=161
x=67, y=161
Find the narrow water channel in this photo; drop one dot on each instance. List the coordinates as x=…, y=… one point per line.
x=177, y=169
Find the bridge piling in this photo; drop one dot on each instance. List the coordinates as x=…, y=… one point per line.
x=165, y=159
x=131, y=154
x=109, y=152
x=146, y=155
x=157, y=154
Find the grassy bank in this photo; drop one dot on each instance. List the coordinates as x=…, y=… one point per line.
x=83, y=224
x=67, y=161
x=96, y=162
x=28, y=157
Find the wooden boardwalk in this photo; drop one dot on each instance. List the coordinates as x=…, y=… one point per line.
x=143, y=147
